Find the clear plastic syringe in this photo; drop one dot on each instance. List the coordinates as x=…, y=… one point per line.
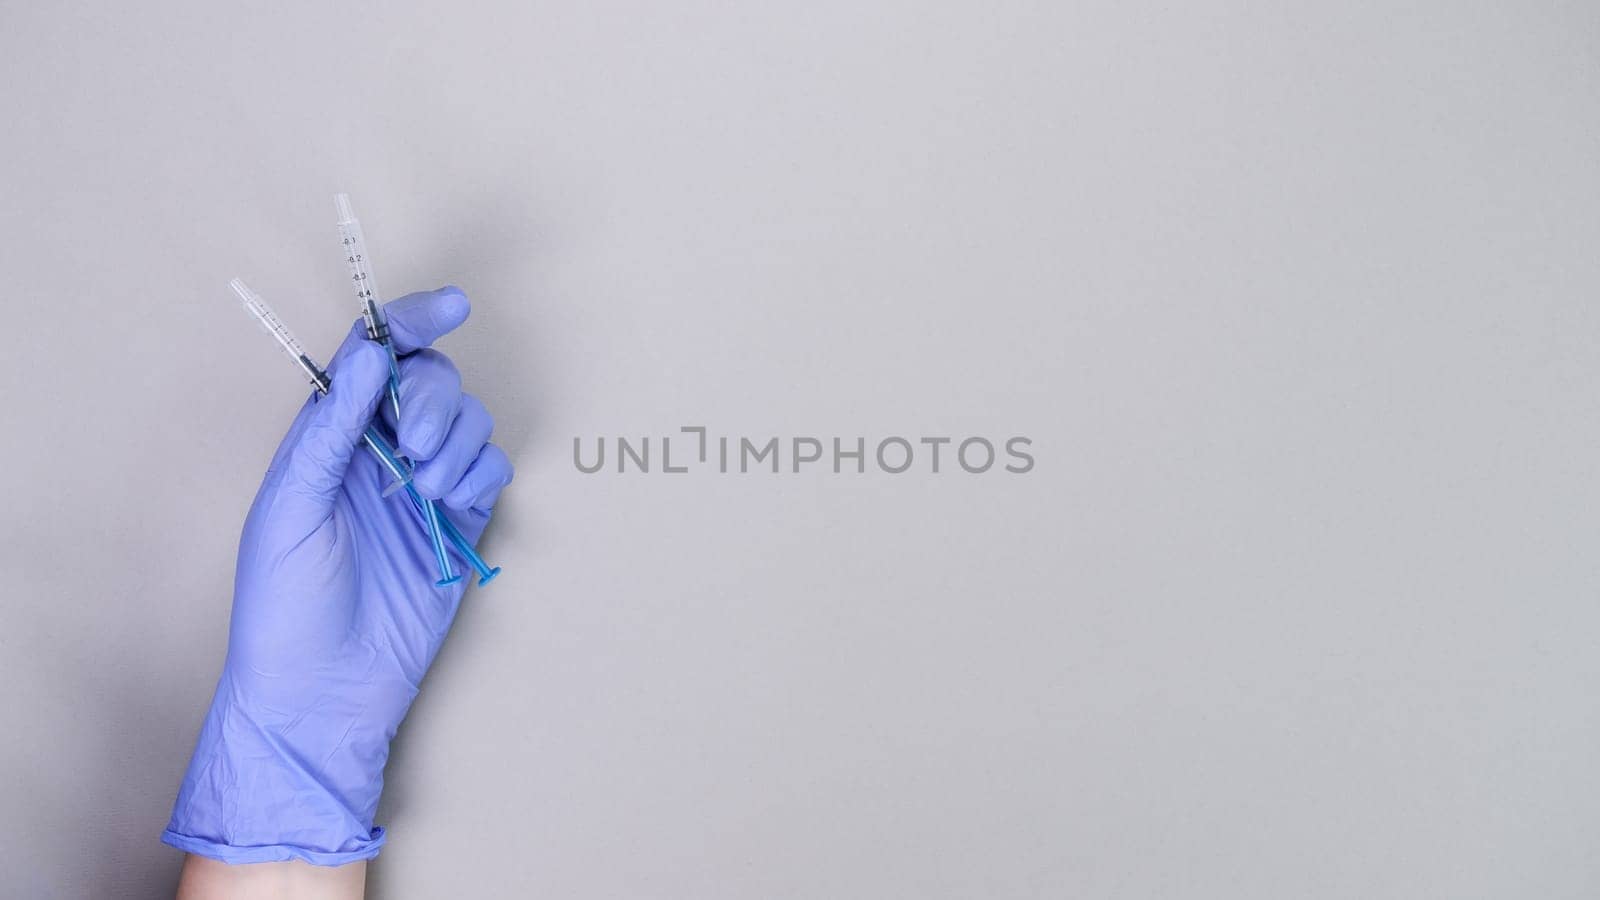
x=355, y=254
x=374, y=440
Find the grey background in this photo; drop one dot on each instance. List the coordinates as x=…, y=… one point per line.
x=1295, y=300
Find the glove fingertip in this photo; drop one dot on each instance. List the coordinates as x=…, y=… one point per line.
x=450, y=308
x=356, y=389
x=365, y=370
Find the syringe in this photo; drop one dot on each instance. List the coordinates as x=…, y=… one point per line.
x=355, y=252
x=375, y=441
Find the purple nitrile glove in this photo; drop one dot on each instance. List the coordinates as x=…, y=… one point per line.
x=335, y=614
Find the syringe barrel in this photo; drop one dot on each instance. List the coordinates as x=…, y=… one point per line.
x=355, y=253
x=280, y=332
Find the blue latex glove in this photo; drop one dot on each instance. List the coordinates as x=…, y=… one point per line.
x=335, y=614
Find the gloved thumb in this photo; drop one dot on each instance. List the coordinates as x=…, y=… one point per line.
x=316, y=463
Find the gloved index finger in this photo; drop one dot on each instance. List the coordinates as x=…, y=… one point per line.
x=417, y=320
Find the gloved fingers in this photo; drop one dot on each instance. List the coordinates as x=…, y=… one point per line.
x=417, y=320
x=430, y=398
x=354, y=338
x=480, y=486
x=356, y=334
x=315, y=464
x=468, y=434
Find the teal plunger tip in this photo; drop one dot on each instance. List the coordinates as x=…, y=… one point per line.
x=446, y=582
x=489, y=576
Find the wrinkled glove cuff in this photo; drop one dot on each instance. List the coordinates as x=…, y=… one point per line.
x=273, y=852
x=278, y=786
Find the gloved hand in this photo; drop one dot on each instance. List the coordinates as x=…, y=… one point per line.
x=335, y=614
